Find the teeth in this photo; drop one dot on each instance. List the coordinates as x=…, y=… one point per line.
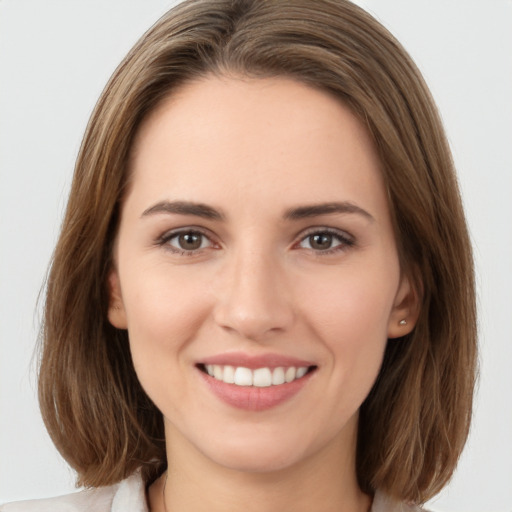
x=301, y=372
x=261, y=377
x=229, y=375
x=278, y=376
x=290, y=374
x=218, y=372
x=243, y=376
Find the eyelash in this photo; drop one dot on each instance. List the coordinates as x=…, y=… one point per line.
x=165, y=239
x=345, y=241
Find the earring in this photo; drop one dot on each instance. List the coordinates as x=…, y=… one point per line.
x=402, y=322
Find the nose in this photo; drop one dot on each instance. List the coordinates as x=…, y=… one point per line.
x=253, y=299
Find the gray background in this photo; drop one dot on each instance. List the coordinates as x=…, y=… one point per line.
x=55, y=57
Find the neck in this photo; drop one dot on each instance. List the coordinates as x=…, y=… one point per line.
x=324, y=482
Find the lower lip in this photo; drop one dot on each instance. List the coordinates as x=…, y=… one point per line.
x=252, y=398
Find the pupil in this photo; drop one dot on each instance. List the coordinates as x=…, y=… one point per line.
x=190, y=241
x=322, y=241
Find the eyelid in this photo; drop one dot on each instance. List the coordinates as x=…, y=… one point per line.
x=347, y=240
x=163, y=240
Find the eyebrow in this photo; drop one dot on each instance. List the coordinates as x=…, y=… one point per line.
x=296, y=213
x=184, y=208
x=314, y=210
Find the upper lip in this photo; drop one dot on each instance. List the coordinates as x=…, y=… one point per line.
x=252, y=362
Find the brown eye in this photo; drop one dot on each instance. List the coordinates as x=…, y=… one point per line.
x=326, y=241
x=188, y=241
x=321, y=241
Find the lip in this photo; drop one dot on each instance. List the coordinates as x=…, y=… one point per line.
x=252, y=398
x=253, y=362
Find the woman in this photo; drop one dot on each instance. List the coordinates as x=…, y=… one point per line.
x=263, y=292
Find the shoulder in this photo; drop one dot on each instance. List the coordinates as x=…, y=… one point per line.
x=126, y=496
x=99, y=500
x=383, y=503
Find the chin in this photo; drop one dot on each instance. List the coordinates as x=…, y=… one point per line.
x=256, y=449
x=255, y=459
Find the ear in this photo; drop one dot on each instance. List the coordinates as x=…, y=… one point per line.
x=406, y=309
x=116, y=311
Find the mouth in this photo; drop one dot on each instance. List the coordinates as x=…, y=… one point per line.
x=263, y=377
x=255, y=382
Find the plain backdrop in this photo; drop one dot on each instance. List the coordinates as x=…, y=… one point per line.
x=55, y=57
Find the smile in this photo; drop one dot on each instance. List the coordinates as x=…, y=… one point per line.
x=255, y=382
x=258, y=377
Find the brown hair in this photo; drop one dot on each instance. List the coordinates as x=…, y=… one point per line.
x=415, y=421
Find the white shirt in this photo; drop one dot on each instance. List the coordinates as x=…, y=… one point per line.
x=130, y=496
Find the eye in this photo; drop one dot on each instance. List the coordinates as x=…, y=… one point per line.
x=187, y=241
x=326, y=241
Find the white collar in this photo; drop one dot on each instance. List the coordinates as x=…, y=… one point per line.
x=130, y=495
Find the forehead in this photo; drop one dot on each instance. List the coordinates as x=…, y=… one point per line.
x=275, y=138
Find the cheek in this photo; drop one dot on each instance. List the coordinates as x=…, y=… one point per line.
x=351, y=305
x=350, y=314
x=163, y=315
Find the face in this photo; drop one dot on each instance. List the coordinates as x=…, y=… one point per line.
x=256, y=271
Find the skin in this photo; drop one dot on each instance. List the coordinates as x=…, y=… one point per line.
x=254, y=149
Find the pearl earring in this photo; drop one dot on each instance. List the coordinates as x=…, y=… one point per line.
x=402, y=322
